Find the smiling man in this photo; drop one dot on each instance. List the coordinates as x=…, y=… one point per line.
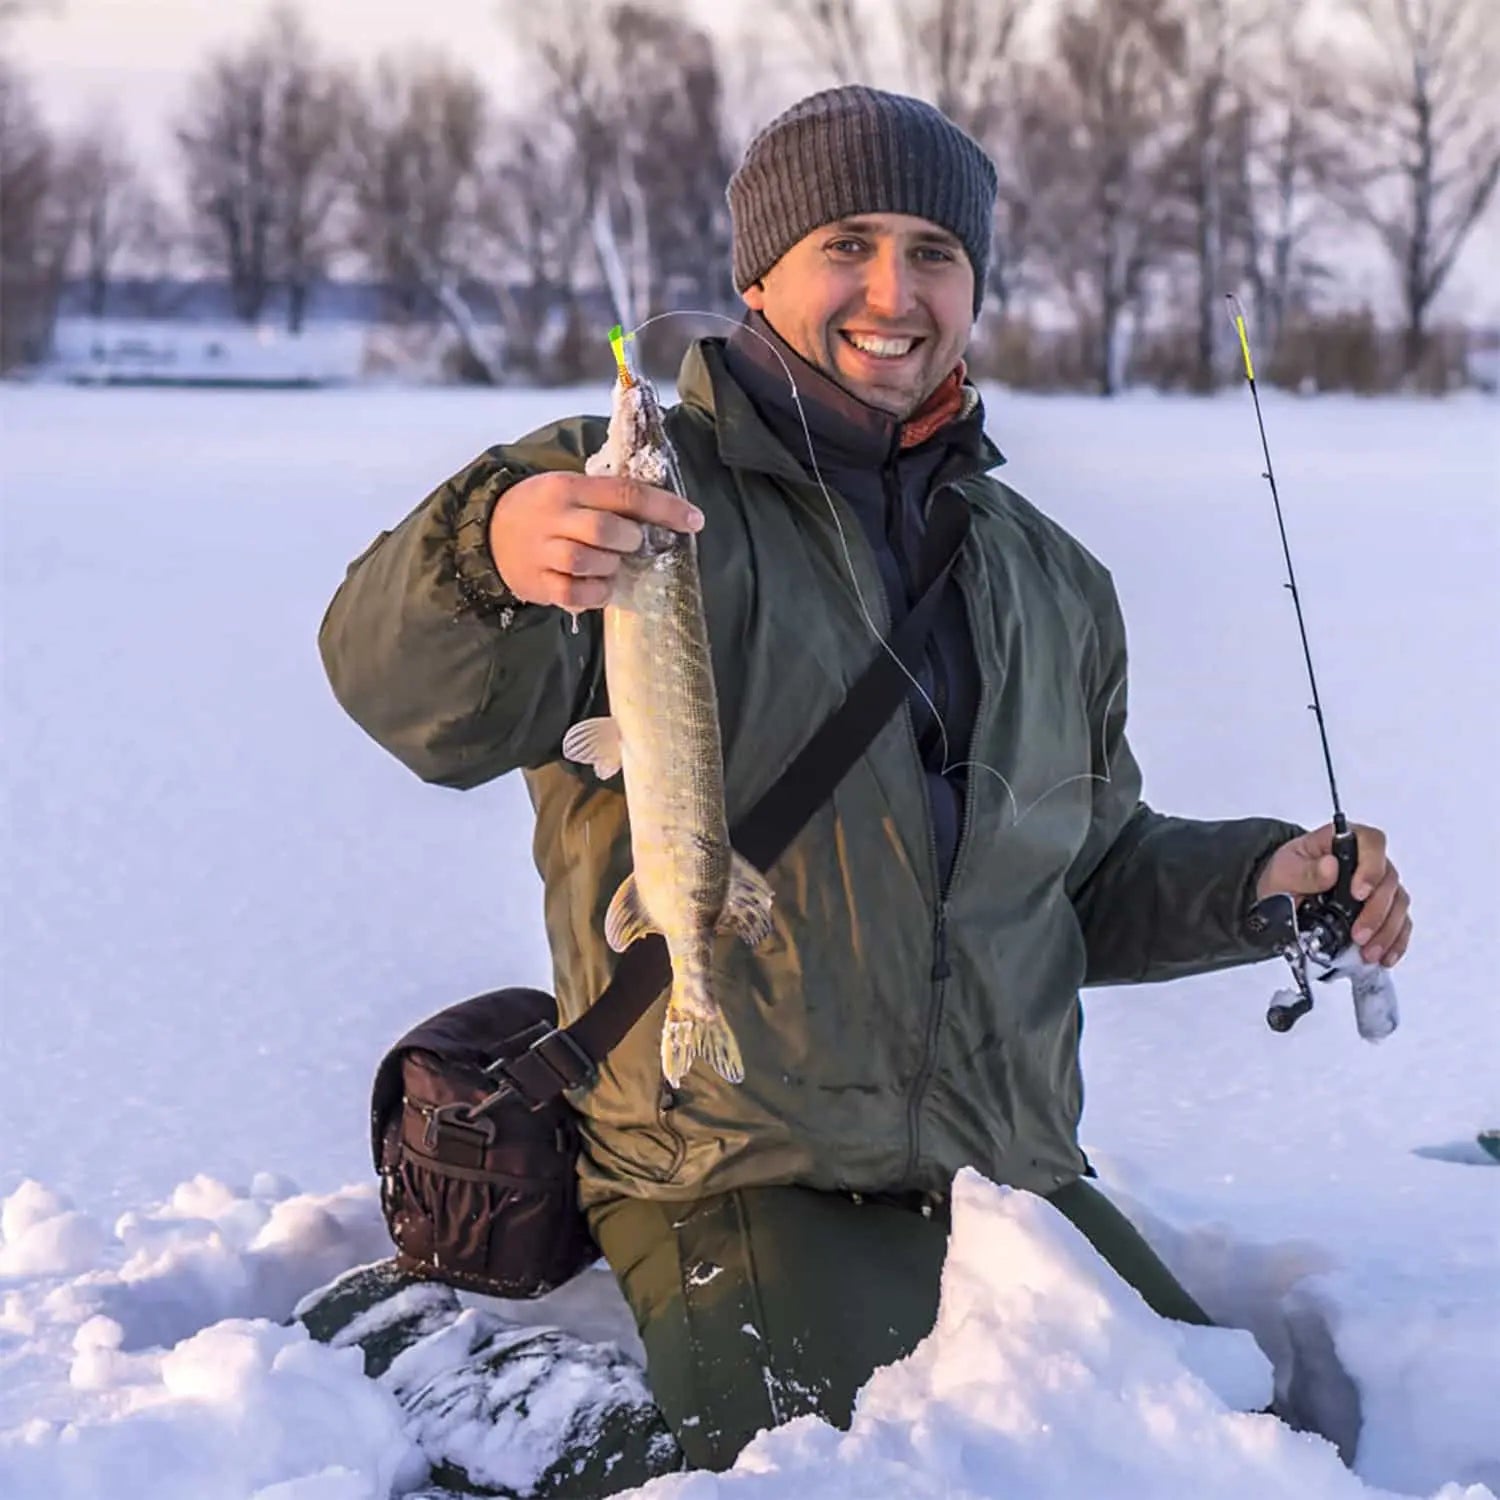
x=917, y=1009
x=882, y=303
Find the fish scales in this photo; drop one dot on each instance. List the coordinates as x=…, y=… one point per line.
x=663, y=734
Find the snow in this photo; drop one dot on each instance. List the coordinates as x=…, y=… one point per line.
x=221, y=903
x=1048, y=1381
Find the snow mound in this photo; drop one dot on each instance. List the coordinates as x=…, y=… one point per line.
x=244, y=1410
x=1046, y=1378
x=41, y=1234
x=164, y=1367
x=156, y=1351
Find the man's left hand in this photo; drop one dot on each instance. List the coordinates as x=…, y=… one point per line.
x=1305, y=866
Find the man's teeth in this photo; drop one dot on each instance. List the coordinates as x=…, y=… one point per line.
x=885, y=348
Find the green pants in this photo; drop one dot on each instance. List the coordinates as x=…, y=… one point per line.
x=769, y=1303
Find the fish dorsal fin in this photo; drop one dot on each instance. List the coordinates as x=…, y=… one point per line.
x=596, y=743
x=747, y=908
x=626, y=919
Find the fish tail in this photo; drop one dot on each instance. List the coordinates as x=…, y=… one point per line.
x=695, y=1029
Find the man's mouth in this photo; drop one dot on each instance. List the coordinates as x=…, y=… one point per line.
x=881, y=346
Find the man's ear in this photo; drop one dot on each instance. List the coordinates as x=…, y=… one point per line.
x=754, y=296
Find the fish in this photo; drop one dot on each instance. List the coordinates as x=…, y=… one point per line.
x=662, y=736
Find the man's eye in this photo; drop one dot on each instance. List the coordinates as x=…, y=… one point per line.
x=937, y=252
x=846, y=246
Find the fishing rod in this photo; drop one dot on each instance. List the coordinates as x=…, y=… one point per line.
x=1317, y=929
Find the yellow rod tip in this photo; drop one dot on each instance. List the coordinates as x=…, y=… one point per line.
x=617, y=347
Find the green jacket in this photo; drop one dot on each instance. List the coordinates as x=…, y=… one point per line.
x=891, y=1033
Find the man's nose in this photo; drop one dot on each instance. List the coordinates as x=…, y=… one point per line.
x=888, y=284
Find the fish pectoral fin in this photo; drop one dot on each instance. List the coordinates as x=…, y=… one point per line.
x=596, y=743
x=747, y=908
x=626, y=919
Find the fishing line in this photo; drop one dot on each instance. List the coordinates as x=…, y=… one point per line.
x=864, y=608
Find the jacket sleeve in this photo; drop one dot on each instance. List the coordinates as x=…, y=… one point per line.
x=1158, y=897
x=431, y=654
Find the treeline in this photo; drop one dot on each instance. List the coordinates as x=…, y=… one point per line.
x=1153, y=154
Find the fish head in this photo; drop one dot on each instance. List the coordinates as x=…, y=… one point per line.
x=661, y=541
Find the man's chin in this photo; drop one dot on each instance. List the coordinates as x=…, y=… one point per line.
x=894, y=403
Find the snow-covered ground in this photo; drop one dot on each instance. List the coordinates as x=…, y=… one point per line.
x=220, y=903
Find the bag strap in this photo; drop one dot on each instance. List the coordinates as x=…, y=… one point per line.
x=569, y=1057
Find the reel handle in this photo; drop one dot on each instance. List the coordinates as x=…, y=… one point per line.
x=1287, y=1007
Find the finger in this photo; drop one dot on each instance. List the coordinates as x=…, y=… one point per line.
x=600, y=528
x=643, y=502
x=1389, y=930
x=576, y=560
x=1376, y=908
x=1317, y=842
x=1290, y=871
x=1397, y=951
x=1371, y=868
x=1303, y=876
x=568, y=592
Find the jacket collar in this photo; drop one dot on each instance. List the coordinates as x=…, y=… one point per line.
x=749, y=399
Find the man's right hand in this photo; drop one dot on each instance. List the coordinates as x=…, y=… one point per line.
x=558, y=538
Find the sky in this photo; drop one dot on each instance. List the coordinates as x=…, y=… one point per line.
x=135, y=56
x=130, y=61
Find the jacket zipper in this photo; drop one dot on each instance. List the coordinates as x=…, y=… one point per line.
x=941, y=967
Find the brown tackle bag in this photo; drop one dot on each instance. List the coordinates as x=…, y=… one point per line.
x=488, y=1203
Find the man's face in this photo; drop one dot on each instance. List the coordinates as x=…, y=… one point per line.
x=899, y=286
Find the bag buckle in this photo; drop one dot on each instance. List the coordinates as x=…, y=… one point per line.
x=550, y=1064
x=460, y=1118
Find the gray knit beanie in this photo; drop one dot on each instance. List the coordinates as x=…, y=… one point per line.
x=855, y=150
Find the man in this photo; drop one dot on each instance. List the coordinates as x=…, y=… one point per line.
x=917, y=1007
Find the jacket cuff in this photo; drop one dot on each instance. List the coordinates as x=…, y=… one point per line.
x=481, y=590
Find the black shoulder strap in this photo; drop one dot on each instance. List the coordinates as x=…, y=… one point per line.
x=569, y=1057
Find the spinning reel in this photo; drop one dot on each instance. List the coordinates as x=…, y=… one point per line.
x=1317, y=932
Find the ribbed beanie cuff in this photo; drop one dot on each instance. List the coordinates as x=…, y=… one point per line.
x=855, y=150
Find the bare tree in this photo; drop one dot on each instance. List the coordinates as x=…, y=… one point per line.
x=956, y=52
x=308, y=145
x=34, y=232
x=1204, y=44
x=1112, y=216
x=226, y=146
x=422, y=150
x=835, y=36
x=113, y=215
x=1426, y=115
x=260, y=142
x=636, y=88
x=541, y=217
x=1029, y=142
x=1282, y=153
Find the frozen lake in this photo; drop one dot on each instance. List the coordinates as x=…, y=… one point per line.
x=221, y=901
